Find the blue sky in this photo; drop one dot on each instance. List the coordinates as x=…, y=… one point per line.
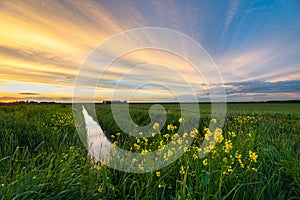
x=255, y=45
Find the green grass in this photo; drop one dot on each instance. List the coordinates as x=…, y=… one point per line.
x=42, y=156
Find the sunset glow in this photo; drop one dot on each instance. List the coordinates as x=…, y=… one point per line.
x=43, y=44
x=8, y=101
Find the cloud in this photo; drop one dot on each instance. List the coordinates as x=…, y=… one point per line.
x=29, y=93
x=48, y=42
x=230, y=15
x=263, y=87
x=251, y=91
x=38, y=56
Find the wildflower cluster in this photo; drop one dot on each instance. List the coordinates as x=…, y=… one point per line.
x=59, y=121
x=210, y=146
x=246, y=119
x=71, y=155
x=222, y=149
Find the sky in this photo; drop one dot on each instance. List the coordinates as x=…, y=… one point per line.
x=48, y=48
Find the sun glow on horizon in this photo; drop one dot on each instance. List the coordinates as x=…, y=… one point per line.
x=8, y=101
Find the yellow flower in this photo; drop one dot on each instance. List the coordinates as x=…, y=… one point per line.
x=141, y=167
x=155, y=126
x=237, y=155
x=195, y=156
x=180, y=120
x=199, y=149
x=161, y=143
x=185, y=135
x=136, y=146
x=65, y=156
x=100, y=189
x=232, y=134
x=166, y=157
x=214, y=121
x=253, y=156
x=254, y=169
x=227, y=146
x=194, y=132
x=170, y=127
x=206, y=150
x=205, y=162
x=208, y=134
x=179, y=141
x=174, y=136
x=144, y=151
x=218, y=137
x=161, y=185
x=185, y=149
x=157, y=174
x=170, y=153
x=182, y=171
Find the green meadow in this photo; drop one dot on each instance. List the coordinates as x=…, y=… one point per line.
x=255, y=154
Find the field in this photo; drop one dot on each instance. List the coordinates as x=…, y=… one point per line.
x=256, y=155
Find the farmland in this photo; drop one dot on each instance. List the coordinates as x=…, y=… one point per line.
x=256, y=155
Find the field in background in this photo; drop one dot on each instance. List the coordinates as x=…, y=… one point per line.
x=41, y=155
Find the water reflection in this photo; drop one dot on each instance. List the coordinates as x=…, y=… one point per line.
x=98, y=144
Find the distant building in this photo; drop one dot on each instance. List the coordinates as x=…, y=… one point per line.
x=47, y=102
x=113, y=101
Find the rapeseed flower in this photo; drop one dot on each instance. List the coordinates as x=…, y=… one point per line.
x=205, y=162
x=141, y=167
x=195, y=156
x=214, y=121
x=155, y=126
x=253, y=156
x=100, y=189
x=185, y=135
x=171, y=127
x=218, y=137
x=232, y=134
x=228, y=146
x=157, y=174
x=182, y=171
